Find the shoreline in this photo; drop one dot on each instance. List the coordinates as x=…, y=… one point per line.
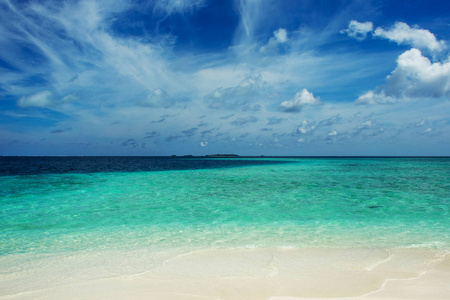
x=252, y=273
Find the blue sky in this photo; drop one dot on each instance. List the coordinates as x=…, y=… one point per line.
x=247, y=77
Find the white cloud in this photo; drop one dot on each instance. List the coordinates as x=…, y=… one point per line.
x=42, y=99
x=280, y=35
x=358, y=30
x=403, y=34
x=375, y=98
x=300, y=100
x=80, y=55
x=252, y=15
x=370, y=128
x=331, y=136
x=306, y=127
x=414, y=77
x=109, y=73
x=278, y=41
x=332, y=133
x=365, y=124
x=219, y=76
x=400, y=32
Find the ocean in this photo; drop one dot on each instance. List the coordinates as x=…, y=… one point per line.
x=68, y=206
x=52, y=204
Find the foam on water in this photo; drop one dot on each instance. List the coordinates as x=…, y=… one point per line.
x=305, y=203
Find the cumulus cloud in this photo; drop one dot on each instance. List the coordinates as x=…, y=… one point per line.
x=331, y=136
x=300, y=100
x=358, y=30
x=403, y=34
x=332, y=133
x=306, y=127
x=414, y=77
x=309, y=128
x=41, y=99
x=400, y=32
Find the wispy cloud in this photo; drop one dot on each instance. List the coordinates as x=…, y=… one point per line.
x=237, y=97
x=151, y=134
x=244, y=121
x=274, y=120
x=124, y=83
x=179, y=6
x=190, y=132
x=61, y=130
x=41, y=99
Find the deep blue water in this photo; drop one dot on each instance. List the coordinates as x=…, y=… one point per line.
x=103, y=164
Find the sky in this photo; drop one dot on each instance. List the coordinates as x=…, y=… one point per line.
x=250, y=77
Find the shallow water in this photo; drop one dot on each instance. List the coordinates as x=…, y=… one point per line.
x=224, y=203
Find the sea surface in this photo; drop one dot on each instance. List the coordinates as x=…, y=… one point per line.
x=64, y=204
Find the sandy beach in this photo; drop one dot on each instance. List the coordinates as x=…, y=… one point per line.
x=275, y=274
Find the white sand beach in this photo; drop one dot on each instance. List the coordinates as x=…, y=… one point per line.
x=275, y=274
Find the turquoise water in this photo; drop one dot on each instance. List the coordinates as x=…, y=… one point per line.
x=371, y=202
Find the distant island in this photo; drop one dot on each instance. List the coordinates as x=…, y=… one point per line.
x=222, y=155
